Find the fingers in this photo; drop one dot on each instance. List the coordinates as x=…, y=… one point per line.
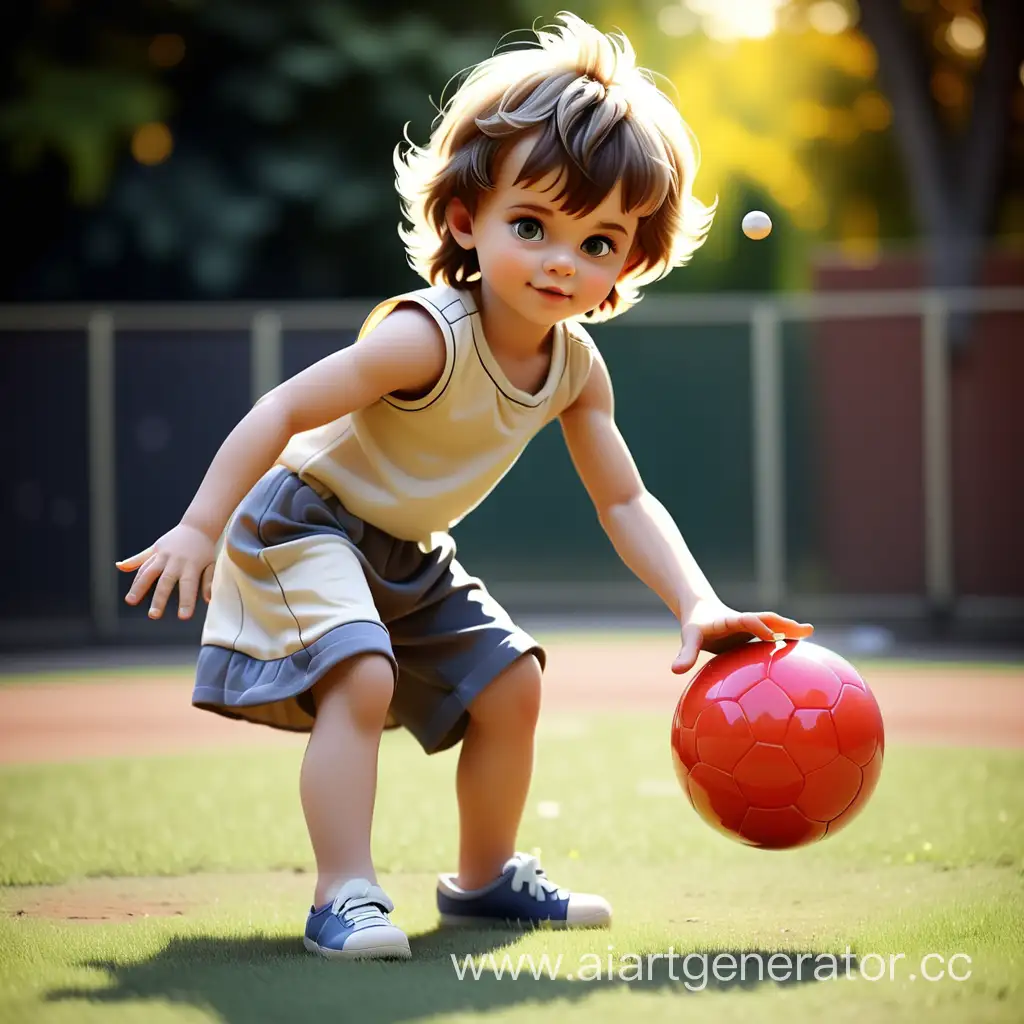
x=131, y=564
x=755, y=624
x=164, y=589
x=208, y=583
x=188, y=586
x=687, y=656
x=789, y=628
x=144, y=579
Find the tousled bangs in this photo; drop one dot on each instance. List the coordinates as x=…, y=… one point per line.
x=599, y=121
x=587, y=179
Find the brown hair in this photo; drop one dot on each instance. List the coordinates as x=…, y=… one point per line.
x=599, y=120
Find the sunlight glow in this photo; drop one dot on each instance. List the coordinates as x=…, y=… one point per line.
x=676, y=20
x=726, y=20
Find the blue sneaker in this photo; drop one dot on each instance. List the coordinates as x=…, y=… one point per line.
x=355, y=925
x=522, y=894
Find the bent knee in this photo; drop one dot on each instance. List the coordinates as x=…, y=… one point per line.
x=364, y=684
x=513, y=697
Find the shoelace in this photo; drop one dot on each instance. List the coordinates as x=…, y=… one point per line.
x=528, y=872
x=360, y=911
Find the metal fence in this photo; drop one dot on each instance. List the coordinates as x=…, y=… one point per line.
x=763, y=317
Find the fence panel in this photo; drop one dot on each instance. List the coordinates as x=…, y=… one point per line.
x=825, y=451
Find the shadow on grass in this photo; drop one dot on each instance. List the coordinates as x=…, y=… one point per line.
x=275, y=979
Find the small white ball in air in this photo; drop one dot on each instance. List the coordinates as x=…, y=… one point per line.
x=757, y=224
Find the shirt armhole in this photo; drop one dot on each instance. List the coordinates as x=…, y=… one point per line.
x=378, y=313
x=579, y=342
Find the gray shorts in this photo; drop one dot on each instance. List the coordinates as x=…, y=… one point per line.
x=301, y=584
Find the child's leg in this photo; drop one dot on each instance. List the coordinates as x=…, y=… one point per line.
x=494, y=771
x=338, y=783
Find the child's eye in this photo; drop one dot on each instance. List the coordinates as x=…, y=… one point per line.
x=598, y=245
x=528, y=229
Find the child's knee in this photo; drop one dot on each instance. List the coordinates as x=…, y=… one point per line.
x=364, y=684
x=513, y=698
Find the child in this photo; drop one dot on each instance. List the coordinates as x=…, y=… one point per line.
x=557, y=182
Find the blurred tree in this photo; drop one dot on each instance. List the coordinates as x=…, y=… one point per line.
x=953, y=72
x=851, y=123
x=241, y=148
x=192, y=148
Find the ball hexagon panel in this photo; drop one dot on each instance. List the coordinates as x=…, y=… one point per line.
x=684, y=746
x=740, y=681
x=811, y=738
x=682, y=772
x=830, y=790
x=691, y=704
x=767, y=709
x=716, y=796
x=855, y=716
x=870, y=771
x=843, y=670
x=804, y=689
x=780, y=828
x=723, y=735
x=734, y=668
x=767, y=777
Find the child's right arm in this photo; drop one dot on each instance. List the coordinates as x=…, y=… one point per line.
x=405, y=352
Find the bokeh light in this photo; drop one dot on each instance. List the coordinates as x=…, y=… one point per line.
x=966, y=35
x=152, y=143
x=167, y=50
x=809, y=119
x=829, y=17
x=873, y=111
x=727, y=20
x=948, y=88
x=676, y=20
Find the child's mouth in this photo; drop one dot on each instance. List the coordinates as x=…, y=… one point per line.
x=552, y=292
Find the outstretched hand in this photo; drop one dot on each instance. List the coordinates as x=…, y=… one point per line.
x=182, y=557
x=715, y=627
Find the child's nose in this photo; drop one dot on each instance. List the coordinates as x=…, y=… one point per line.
x=560, y=262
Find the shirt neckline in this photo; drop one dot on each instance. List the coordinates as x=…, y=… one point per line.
x=497, y=374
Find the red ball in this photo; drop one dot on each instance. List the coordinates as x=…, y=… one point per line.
x=777, y=744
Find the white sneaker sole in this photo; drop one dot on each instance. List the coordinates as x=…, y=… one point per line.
x=598, y=920
x=381, y=951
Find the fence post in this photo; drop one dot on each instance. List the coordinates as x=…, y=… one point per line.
x=769, y=462
x=938, y=513
x=103, y=588
x=265, y=354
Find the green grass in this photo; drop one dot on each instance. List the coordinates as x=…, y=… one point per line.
x=934, y=864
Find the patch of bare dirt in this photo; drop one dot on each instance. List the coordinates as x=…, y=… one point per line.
x=45, y=722
x=105, y=900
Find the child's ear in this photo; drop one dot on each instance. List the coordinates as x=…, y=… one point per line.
x=460, y=223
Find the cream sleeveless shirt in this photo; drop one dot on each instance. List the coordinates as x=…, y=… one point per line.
x=416, y=467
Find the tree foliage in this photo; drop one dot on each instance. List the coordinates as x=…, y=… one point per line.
x=242, y=148
x=856, y=123
x=225, y=148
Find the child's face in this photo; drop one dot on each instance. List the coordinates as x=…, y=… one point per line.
x=543, y=263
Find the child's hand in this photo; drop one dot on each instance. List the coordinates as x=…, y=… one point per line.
x=182, y=556
x=715, y=627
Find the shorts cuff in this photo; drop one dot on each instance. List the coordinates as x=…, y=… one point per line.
x=447, y=726
x=228, y=681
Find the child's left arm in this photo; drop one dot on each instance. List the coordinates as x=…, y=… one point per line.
x=645, y=536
